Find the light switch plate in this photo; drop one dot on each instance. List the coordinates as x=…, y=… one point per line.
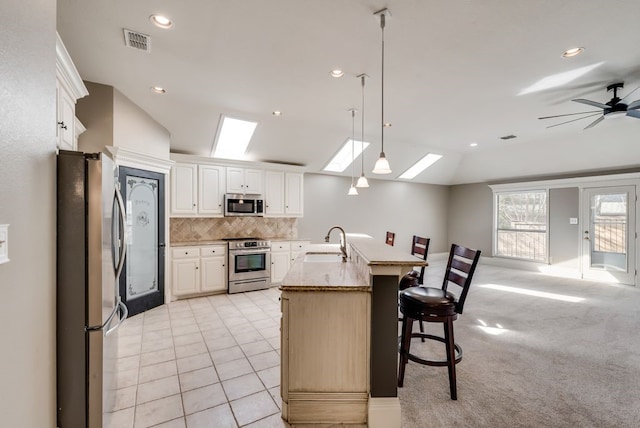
x=573, y=220
x=4, y=243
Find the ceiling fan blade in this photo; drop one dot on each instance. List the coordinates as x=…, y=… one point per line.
x=634, y=105
x=634, y=113
x=573, y=120
x=595, y=122
x=627, y=96
x=569, y=114
x=591, y=103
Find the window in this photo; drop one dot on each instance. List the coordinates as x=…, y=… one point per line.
x=521, y=226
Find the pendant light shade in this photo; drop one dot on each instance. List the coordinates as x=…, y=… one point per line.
x=362, y=181
x=382, y=164
x=353, y=191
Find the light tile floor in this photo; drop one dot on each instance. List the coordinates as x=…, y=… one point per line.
x=203, y=362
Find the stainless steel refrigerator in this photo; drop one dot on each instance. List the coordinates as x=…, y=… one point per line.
x=90, y=255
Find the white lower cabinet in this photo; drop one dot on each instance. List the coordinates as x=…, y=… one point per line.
x=198, y=270
x=283, y=253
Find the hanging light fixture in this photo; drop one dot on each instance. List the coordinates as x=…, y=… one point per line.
x=382, y=164
x=352, y=190
x=362, y=181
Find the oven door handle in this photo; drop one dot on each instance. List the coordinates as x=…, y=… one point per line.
x=248, y=251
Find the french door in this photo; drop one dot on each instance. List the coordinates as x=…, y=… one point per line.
x=142, y=279
x=608, y=238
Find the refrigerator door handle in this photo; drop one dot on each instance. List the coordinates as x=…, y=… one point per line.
x=106, y=323
x=122, y=248
x=125, y=313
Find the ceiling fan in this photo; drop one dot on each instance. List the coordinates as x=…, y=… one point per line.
x=613, y=108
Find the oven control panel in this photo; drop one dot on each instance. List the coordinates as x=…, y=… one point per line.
x=249, y=244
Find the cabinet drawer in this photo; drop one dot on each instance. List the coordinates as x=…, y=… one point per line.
x=280, y=246
x=299, y=245
x=213, y=250
x=185, y=252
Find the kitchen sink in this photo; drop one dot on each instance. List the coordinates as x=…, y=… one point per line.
x=322, y=257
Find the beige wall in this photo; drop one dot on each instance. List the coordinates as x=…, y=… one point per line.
x=112, y=119
x=470, y=213
x=27, y=203
x=406, y=209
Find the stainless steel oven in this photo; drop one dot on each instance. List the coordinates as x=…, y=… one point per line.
x=249, y=265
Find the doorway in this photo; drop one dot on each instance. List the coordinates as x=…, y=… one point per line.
x=142, y=280
x=609, y=238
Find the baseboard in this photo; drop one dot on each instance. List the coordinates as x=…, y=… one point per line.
x=384, y=412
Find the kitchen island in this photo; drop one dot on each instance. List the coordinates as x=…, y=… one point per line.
x=339, y=335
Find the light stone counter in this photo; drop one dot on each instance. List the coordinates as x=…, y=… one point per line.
x=197, y=243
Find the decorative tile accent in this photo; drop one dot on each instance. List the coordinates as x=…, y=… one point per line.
x=213, y=229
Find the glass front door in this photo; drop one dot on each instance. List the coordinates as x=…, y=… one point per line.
x=142, y=280
x=609, y=234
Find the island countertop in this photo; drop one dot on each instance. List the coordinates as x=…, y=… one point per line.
x=365, y=255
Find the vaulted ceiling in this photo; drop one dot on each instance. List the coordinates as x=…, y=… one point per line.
x=456, y=73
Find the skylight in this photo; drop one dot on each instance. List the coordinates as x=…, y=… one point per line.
x=420, y=166
x=344, y=157
x=233, y=138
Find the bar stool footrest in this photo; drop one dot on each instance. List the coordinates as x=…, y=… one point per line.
x=438, y=363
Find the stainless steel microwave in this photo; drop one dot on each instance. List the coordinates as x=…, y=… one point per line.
x=243, y=205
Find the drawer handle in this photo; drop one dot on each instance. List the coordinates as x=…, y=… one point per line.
x=186, y=252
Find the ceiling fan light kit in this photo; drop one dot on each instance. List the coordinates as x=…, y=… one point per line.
x=616, y=107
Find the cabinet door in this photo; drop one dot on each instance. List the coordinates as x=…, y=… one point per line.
x=184, y=182
x=253, y=181
x=280, y=264
x=214, y=273
x=294, y=188
x=210, y=189
x=274, y=193
x=185, y=276
x=235, y=180
x=66, y=113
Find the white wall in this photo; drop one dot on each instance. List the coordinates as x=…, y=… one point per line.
x=27, y=203
x=404, y=208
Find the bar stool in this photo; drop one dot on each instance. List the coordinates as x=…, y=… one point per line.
x=431, y=304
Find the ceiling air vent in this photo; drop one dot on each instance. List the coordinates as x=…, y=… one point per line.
x=137, y=40
x=508, y=137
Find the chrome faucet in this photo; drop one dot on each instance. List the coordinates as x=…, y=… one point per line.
x=343, y=241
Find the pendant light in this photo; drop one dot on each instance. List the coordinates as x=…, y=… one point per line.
x=382, y=164
x=362, y=181
x=352, y=190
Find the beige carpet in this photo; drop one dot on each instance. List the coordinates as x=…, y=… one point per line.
x=533, y=360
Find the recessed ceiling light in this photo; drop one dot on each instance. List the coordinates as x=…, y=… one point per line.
x=161, y=21
x=158, y=89
x=233, y=138
x=336, y=73
x=572, y=52
x=473, y=144
x=420, y=166
x=343, y=158
x=277, y=113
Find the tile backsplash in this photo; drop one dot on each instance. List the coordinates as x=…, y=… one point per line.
x=212, y=229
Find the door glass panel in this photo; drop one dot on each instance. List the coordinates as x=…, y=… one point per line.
x=609, y=214
x=142, y=236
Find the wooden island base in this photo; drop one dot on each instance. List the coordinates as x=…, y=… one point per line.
x=339, y=337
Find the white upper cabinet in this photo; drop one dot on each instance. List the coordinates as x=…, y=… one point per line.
x=197, y=190
x=184, y=189
x=274, y=193
x=284, y=194
x=69, y=87
x=245, y=181
x=294, y=194
x=210, y=189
